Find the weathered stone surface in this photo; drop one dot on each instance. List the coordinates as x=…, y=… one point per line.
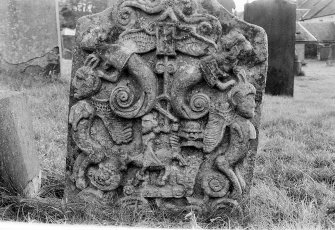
x=70, y=11
x=46, y=65
x=19, y=165
x=278, y=18
x=28, y=29
x=165, y=106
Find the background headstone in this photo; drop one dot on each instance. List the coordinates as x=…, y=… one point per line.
x=28, y=29
x=228, y=4
x=19, y=165
x=278, y=18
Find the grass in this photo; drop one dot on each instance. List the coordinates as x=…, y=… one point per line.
x=294, y=175
x=295, y=170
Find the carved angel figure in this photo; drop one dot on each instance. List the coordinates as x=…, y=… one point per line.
x=242, y=99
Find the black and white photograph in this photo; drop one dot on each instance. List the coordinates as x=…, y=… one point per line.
x=167, y=114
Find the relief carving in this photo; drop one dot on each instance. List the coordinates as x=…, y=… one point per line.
x=165, y=104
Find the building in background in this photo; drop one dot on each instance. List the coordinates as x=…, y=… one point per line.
x=316, y=10
x=315, y=35
x=304, y=38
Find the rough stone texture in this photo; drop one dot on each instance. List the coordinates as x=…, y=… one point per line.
x=19, y=165
x=45, y=65
x=278, y=18
x=165, y=105
x=28, y=29
x=70, y=11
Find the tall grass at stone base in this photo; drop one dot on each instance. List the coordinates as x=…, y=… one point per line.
x=293, y=185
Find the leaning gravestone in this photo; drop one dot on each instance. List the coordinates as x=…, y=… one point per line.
x=19, y=165
x=165, y=106
x=278, y=18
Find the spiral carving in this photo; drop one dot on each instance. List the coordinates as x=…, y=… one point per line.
x=215, y=184
x=121, y=99
x=192, y=108
x=199, y=103
x=205, y=28
x=124, y=103
x=105, y=176
x=126, y=16
x=122, y=96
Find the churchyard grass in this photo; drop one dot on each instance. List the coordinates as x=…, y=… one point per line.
x=294, y=175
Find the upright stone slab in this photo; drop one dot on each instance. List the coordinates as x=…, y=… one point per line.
x=165, y=106
x=28, y=29
x=19, y=165
x=228, y=4
x=278, y=18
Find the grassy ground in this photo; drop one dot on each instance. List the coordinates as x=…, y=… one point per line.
x=295, y=171
x=294, y=174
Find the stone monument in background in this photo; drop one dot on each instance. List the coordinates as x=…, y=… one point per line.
x=28, y=36
x=228, y=4
x=28, y=28
x=165, y=106
x=278, y=18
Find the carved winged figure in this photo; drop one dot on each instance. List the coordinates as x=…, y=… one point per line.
x=236, y=115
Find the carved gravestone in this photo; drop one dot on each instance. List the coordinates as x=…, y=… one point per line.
x=165, y=106
x=278, y=18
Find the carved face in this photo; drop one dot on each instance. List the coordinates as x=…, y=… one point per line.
x=242, y=98
x=188, y=7
x=246, y=105
x=85, y=83
x=97, y=34
x=149, y=122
